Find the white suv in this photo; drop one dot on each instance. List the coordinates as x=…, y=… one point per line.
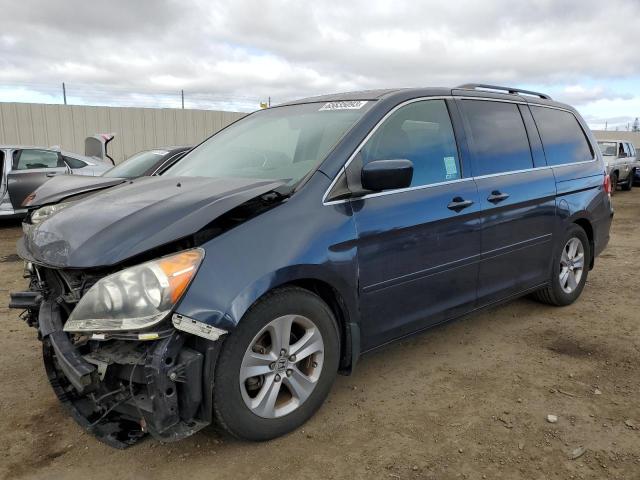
x=620, y=158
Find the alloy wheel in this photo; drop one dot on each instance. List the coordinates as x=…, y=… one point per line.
x=571, y=265
x=281, y=366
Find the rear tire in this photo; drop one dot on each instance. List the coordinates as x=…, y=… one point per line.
x=262, y=389
x=614, y=183
x=570, y=269
x=629, y=185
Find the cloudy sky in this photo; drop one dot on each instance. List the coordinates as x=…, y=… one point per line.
x=234, y=54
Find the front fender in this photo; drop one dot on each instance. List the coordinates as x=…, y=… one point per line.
x=301, y=239
x=289, y=275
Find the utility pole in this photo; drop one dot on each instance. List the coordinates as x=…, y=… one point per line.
x=606, y=123
x=269, y=103
x=182, y=95
x=64, y=93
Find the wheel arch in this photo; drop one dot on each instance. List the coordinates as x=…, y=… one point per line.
x=336, y=303
x=328, y=289
x=584, y=223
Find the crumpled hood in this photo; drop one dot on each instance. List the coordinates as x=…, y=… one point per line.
x=127, y=220
x=64, y=186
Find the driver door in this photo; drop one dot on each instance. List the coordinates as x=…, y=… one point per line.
x=31, y=168
x=418, y=247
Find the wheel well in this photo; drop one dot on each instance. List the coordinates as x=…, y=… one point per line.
x=334, y=300
x=588, y=229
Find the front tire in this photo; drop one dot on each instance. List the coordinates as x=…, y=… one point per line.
x=277, y=367
x=570, y=269
x=629, y=185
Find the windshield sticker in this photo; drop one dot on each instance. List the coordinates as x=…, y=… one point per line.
x=347, y=105
x=451, y=167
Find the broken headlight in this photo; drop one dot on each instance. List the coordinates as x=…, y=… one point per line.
x=136, y=297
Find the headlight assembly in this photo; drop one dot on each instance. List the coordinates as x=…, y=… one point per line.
x=136, y=297
x=41, y=214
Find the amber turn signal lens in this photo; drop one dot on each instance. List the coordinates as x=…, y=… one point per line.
x=179, y=270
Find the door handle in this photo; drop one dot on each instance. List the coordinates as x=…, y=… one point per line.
x=497, y=196
x=458, y=204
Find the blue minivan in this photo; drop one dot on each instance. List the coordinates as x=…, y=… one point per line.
x=233, y=288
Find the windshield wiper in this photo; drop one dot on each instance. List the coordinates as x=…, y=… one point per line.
x=278, y=193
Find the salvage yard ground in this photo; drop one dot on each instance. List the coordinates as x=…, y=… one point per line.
x=466, y=400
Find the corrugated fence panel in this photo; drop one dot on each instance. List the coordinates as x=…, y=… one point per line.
x=135, y=128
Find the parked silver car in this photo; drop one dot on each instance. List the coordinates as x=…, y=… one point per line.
x=621, y=161
x=25, y=168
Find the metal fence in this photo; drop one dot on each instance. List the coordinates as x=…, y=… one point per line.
x=136, y=129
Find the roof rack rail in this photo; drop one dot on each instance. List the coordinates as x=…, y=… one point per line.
x=475, y=86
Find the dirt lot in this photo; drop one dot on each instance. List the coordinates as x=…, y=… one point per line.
x=467, y=400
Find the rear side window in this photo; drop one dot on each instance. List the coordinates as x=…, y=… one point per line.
x=28, y=159
x=420, y=132
x=563, y=139
x=498, y=138
x=74, y=162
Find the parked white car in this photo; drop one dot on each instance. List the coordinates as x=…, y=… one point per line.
x=621, y=161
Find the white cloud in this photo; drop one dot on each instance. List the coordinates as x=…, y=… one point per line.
x=245, y=50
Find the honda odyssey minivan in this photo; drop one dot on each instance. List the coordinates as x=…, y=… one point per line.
x=233, y=288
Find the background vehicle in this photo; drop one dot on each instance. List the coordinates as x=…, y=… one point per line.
x=26, y=168
x=237, y=284
x=145, y=163
x=621, y=160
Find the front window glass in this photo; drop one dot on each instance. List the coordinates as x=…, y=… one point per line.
x=281, y=143
x=608, y=148
x=29, y=159
x=420, y=132
x=137, y=165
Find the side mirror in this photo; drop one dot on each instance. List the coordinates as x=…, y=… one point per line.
x=381, y=175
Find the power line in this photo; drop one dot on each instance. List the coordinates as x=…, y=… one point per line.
x=117, y=95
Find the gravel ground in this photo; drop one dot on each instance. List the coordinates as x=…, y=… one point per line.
x=465, y=400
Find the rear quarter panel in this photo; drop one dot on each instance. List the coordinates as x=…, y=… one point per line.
x=581, y=195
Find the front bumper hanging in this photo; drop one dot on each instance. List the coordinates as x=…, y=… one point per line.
x=120, y=390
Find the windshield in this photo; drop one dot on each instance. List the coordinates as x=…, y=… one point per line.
x=608, y=148
x=136, y=165
x=281, y=143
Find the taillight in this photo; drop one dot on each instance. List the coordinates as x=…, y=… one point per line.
x=607, y=184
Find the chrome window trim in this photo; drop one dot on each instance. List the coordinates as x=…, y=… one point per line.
x=458, y=180
x=513, y=172
x=398, y=190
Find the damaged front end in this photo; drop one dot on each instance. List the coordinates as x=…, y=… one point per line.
x=121, y=383
x=107, y=275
